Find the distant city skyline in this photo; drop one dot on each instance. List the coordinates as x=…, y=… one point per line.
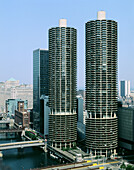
x=25, y=24
x=12, y=89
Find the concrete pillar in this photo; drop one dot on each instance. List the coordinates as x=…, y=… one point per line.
x=65, y=145
x=91, y=151
x=100, y=152
x=95, y=152
x=20, y=149
x=23, y=133
x=1, y=154
x=106, y=153
x=74, y=144
x=45, y=147
x=70, y=144
x=114, y=152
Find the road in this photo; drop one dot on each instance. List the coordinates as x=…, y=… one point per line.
x=84, y=165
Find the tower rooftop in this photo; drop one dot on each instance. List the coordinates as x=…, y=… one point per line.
x=101, y=15
x=62, y=23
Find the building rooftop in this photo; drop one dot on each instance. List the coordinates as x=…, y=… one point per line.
x=11, y=79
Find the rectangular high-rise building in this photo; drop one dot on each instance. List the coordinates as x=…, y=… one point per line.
x=44, y=114
x=101, y=86
x=124, y=88
x=40, y=82
x=79, y=108
x=62, y=85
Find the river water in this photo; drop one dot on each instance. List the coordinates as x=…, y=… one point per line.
x=25, y=159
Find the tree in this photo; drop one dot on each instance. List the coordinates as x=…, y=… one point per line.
x=123, y=166
x=130, y=167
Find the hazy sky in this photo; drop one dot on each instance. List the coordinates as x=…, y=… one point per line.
x=24, y=27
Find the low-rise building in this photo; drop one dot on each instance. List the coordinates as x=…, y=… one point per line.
x=15, y=104
x=22, y=115
x=22, y=118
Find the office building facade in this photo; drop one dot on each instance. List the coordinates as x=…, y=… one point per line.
x=22, y=119
x=44, y=114
x=126, y=127
x=101, y=86
x=79, y=109
x=124, y=88
x=40, y=82
x=15, y=104
x=62, y=86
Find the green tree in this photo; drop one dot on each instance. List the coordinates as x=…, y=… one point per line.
x=130, y=167
x=123, y=166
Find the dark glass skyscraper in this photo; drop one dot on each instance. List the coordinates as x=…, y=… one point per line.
x=101, y=85
x=40, y=82
x=62, y=86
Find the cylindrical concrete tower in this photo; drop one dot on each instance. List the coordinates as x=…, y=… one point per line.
x=62, y=85
x=101, y=85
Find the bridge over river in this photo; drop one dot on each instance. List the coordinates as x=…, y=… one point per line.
x=10, y=130
x=63, y=155
x=16, y=145
x=24, y=144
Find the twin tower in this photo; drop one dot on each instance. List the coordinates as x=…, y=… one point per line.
x=101, y=85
